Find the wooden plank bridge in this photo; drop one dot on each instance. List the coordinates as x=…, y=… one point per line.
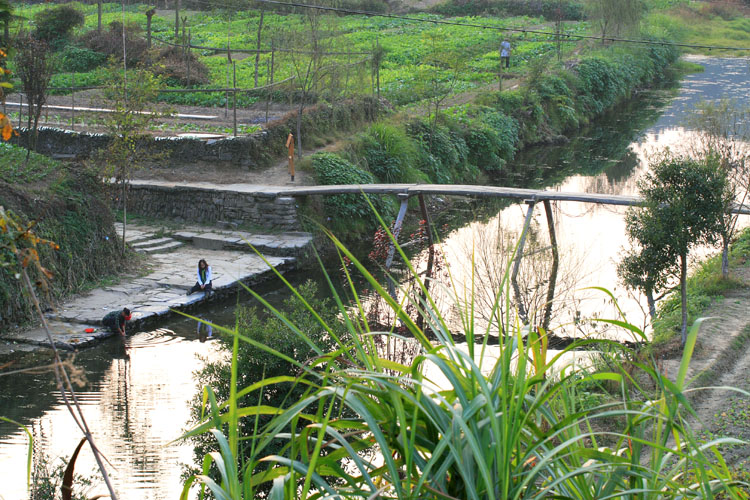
x=530, y=195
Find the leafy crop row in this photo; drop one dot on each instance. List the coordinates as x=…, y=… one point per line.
x=409, y=47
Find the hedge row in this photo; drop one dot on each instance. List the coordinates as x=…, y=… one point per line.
x=569, y=10
x=483, y=137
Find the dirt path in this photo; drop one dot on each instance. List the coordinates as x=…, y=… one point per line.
x=722, y=358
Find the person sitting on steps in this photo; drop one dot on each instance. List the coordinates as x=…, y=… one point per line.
x=116, y=320
x=204, y=283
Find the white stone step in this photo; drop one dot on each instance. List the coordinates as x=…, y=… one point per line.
x=167, y=247
x=136, y=238
x=151, y=243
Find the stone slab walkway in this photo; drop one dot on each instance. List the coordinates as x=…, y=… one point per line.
x=161, y=289
x=295, y=244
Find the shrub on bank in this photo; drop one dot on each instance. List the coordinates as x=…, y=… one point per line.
x=110, y=42
x=490, y=135
x=388, y=153
x=568, y=10
x=54, y=25
x=348, y=209
x=80, y=59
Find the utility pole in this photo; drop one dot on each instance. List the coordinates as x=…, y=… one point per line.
x=149, y=14
x=178, y=4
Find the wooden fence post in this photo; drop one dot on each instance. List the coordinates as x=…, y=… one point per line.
x=377, y=67
x=229, y=61
x=348, y=63
x=268, y=91
x=234, y=96
x=500, y=72
x=149, y=14
x=73, y=101
x=189, y=53
x=177, y=20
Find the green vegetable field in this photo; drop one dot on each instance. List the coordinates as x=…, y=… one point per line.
x=417, y=57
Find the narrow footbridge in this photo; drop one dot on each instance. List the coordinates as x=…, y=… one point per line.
x=276, y=203
x=529, y=196
x=409, y=190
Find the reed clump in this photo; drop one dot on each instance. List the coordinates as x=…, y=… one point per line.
x=452, y=422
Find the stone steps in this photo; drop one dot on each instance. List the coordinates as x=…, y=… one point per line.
x=153, y=242
x=144, y=241
x=288, y=244
x=166, y=247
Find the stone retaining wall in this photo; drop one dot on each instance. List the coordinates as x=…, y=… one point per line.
x=205, y=205
x=254, y=151
x=251, y=152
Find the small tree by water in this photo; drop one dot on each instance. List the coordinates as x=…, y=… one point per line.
x=724, y=128
x=614, y=17
x=131, y=97
x=684, y=202
x=34, y=68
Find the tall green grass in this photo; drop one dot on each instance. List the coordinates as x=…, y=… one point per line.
x=513, y=427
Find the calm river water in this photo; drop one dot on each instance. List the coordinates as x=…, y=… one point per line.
x=137, y=390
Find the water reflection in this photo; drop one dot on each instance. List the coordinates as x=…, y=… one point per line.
x=204, y=330
x=607, y=158
x=135, y=402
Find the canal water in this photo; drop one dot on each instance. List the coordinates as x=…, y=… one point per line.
x=609, y=157
x=136, y=391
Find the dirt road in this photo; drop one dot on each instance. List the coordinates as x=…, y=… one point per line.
x=722, y=358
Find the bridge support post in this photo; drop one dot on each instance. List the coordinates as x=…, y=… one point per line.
x=404, y=197
x=555, y=266
x=430, y=263
x=517, y=264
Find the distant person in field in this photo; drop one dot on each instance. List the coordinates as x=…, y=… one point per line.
x=116, y=320
x=505, y=54
x=204, y=283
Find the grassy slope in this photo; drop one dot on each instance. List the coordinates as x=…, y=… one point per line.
x=68, y=209
x=704, y=23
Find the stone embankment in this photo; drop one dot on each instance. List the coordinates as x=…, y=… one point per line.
x=260, y=206
x=249, y=152
x=161, y=289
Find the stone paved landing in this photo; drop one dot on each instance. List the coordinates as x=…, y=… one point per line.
x=65, y=335
x=160, y=291
x=164, y=287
